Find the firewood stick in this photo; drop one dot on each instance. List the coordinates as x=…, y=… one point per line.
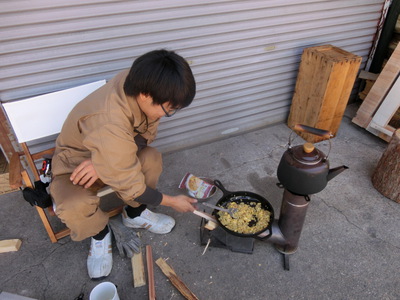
x=175, y=280
x=150, y=273
x=204, y=215
x=10, y=245
x=210, y=225
x=138, y=270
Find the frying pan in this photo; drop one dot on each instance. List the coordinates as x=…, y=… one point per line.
x=243, y=197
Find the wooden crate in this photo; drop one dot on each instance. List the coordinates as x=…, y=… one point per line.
x=324, y=83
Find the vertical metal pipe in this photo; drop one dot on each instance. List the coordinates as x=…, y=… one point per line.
x=291, y=220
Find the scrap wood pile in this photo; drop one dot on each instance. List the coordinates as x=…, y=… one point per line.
x=139, y=278
x=380, y=114
x=129, y=245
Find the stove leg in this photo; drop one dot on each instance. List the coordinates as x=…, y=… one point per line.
x=286, y=266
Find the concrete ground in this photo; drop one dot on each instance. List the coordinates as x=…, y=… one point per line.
x=349, y=247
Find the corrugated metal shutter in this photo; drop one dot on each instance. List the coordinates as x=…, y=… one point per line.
x=244, y=54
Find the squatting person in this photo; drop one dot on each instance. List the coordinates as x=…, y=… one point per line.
x=104, y=141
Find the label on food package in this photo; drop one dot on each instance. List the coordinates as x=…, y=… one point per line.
x=197, y=187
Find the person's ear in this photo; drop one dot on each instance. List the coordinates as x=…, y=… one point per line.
x=145, y=98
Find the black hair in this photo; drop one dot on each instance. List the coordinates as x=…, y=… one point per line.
x=163, y=75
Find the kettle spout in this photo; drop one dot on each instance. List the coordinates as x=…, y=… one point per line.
x=336, y=171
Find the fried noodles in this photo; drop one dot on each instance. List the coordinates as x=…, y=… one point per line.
x=250, y=218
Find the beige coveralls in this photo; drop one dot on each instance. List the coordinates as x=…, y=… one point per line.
x=103, y=127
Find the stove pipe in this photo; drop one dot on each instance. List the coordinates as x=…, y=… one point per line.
x=291, y=220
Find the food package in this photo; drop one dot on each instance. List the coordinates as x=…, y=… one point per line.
x=197, y=187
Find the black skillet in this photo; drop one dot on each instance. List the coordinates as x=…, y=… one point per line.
x=243, y=197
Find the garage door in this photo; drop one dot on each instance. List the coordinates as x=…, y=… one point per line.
x=244, y=54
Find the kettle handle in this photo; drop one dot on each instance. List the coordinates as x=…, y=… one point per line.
x=316, y=131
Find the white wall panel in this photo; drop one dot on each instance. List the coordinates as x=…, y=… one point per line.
x=244, y=54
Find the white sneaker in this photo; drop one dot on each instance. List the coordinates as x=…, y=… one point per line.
x=99, y=262
x=153, y=222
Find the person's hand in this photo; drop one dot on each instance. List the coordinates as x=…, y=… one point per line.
x=180, y=203
x=84, y=174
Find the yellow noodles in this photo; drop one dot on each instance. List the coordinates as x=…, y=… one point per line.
x=249, y=219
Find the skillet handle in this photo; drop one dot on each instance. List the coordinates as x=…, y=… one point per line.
x=219, y=185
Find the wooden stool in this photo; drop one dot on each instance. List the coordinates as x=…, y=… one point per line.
x=386, y=177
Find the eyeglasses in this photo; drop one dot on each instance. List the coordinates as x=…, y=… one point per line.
x=169, y=113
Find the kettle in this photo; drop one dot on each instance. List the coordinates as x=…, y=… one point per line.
x=304, y=169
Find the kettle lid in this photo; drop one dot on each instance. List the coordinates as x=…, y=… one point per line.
x=307, y=154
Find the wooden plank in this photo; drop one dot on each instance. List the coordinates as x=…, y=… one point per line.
x=346, y=88
x=175, y=280
x=379, y=124
x=388, y=107
x=15, y=179
x=331, y=100
x=138, y=270
x=379, y=90
x=150, y=273
x=10, y=245
x=313, y=74
x=368, y=86
x=368, y=75
x=384, y=132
